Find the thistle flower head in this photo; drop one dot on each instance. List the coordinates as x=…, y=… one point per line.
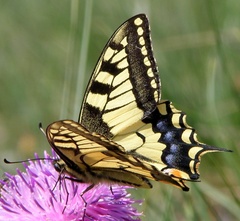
x=34, y=195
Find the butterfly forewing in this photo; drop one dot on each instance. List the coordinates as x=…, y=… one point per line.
x=125, y=85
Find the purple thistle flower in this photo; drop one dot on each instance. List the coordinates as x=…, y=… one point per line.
x=34, y=195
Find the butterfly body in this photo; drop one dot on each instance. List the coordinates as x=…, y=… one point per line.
x=125, y=133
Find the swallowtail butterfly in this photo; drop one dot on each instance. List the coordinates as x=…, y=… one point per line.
x=125, y=133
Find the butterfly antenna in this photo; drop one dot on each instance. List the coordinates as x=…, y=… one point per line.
x=24, y=161
x=40, y=127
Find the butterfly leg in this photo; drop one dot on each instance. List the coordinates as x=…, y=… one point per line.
x=85, y=202
x=111, y=190
x=67, y=193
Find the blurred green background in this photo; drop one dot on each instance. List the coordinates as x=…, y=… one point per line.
x=49, y=49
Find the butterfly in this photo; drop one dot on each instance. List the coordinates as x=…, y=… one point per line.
x=125, y=133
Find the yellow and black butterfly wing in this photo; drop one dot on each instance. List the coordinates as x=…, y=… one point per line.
x=125, y=85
